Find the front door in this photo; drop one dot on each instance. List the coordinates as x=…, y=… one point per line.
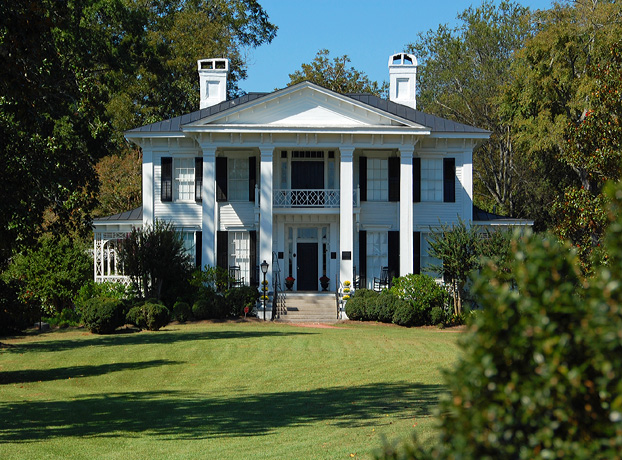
x=307, y=266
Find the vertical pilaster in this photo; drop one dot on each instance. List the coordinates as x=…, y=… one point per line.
x=148, y=186
x=265, y=209
x=346, y=227
x=466, y=179
x=209, y=222
x=406, y=210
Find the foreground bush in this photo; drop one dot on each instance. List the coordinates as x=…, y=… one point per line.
x=540, y=373
x=151, y=316
x=102, y=315
x=356, y=307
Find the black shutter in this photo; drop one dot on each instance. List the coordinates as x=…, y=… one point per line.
x=394, y=255
x=449, y=180
x=198, y=178
x=222, y=252
x=253, y=258
x=416, y=253
x=252, y=178
x=394, y=179
x=221, y=178
x=198, y=248
x=416, y=179
x=363, y=177
x=363, y=258
x=166, y=180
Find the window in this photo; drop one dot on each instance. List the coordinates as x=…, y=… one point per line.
x=240, y=253
x=431, y=179
x=377, y=179
x=183, y=179
x=377, y=253
x=238, y=179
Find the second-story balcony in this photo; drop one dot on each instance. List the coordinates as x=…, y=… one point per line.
x=310, y=198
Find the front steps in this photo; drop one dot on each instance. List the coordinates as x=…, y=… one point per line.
x=308, y=307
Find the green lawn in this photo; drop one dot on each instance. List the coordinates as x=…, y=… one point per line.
x=242, y=390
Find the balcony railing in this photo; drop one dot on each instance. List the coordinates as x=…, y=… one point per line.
x=322, y=198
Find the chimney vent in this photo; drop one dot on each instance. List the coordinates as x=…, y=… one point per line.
x=403, y=79
x=212, y=81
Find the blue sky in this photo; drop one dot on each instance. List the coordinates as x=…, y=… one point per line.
x=368, y=31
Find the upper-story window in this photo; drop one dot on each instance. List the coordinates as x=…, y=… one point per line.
x=434, y=179
x=238, y=179
x=431, y=179
x=183, y=179
x=377, y=179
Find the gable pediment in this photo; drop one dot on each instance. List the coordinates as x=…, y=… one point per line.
x=305, y=106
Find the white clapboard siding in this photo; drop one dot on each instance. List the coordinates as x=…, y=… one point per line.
x=376, y=213
x=236, y=215
x=182, y=214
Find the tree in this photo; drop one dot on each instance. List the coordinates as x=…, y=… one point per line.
x=155, y=259
x=336, y=76
x=462, y=72
x=51, y=274
x=559, y=107
x=52, y=120
x=537, y=377
x=120, y=179
x=462, y=249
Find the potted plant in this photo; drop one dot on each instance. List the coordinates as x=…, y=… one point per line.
x=324, y=280
x=289, y=282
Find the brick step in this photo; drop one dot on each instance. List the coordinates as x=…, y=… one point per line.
x=310, y=308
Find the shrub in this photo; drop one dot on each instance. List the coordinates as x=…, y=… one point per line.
x=151, y=316
x=102, y=315
x=211, y=306
x=238, y=298
x=423, y=294
x=16, y=314
x=356, y=306
x=107, y=289
x=66, y=318
x=539, y=374
x=437, y=316
x=182, y=311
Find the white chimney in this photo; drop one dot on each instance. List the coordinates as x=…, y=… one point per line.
x=403, y=79
x=212, y=81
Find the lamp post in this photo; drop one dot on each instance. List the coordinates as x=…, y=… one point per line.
x=264, y=291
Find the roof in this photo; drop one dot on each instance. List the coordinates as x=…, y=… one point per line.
x=436, y=124
x=483, y=217
x=133, y=215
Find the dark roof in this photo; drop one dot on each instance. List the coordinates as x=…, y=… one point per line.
x=436, y=124
x=134, y=214
x=479, y=215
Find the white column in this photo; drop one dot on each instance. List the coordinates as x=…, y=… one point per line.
x=406, y=210
x=346, y=227
x=209, y=222
x=265, y=209
x=466, y=165
x=148, y=187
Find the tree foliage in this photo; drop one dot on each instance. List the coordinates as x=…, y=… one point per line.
x=120, y=183
x=538, y=375
x=462, y=250
x=51, y=274
x=462, y=73
x=336, y=76
x=560, y=105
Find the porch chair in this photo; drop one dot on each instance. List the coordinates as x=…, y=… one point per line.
x=382, y=282
x=235, y=276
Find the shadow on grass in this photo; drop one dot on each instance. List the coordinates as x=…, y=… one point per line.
x=181, y=415
x=62, y=373
x=142, y=338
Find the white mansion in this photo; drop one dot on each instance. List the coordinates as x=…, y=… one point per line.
x=314, y=182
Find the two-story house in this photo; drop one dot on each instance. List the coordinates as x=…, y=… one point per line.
x=313, y=182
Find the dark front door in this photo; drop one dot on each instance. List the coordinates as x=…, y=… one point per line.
x=307, y=266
